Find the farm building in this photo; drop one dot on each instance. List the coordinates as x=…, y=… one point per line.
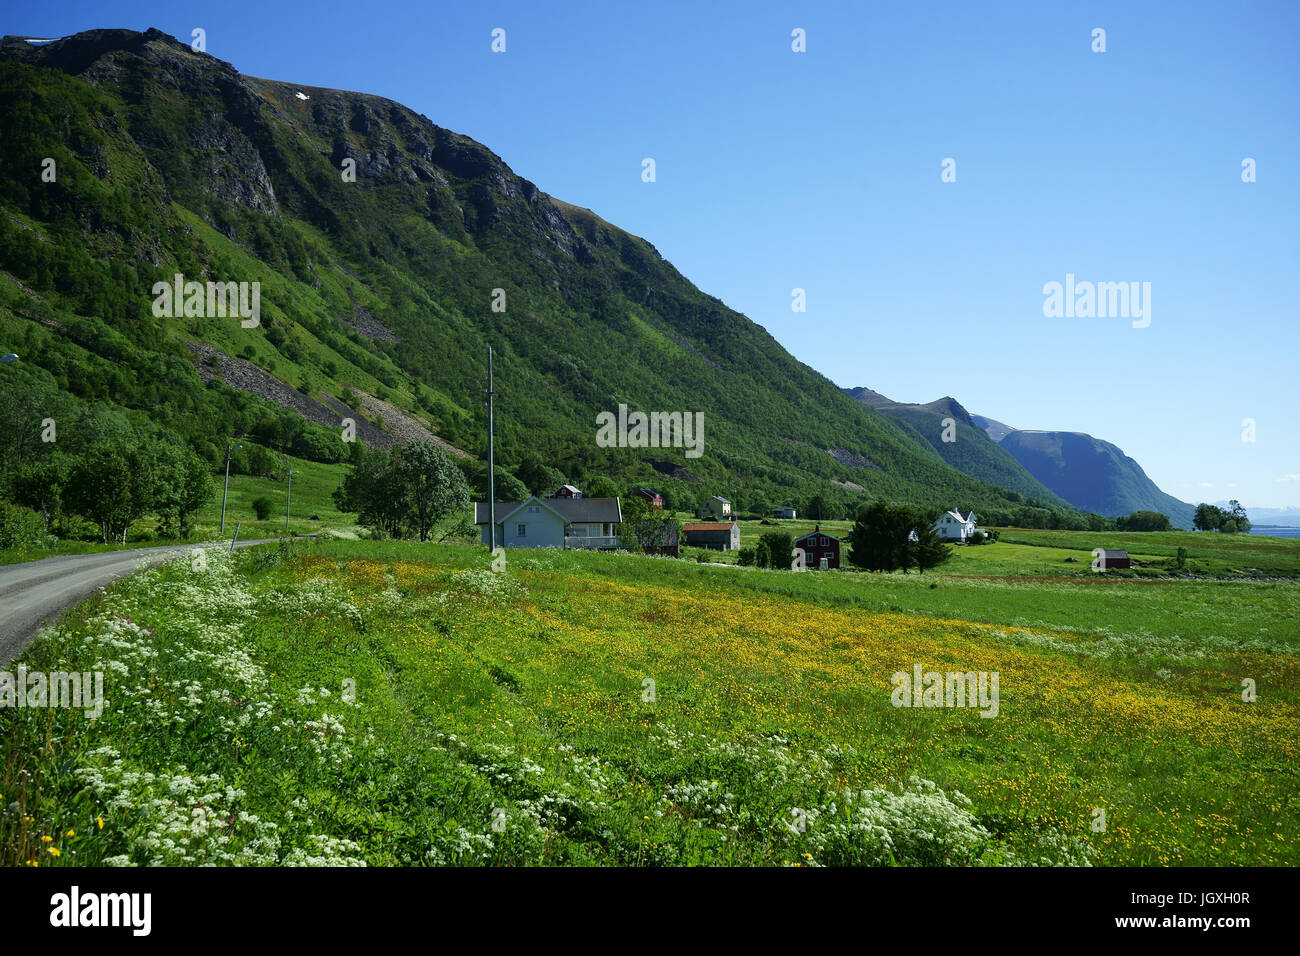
x=821, y=551
x=715, y=507
x=954, y=526
x=656, y=499
x=716, y=535
x=1113, y=559
x=785, y=511
x=567, y=491
x=561, y=522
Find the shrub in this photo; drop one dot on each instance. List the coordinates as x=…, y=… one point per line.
x=262, y=507
x=22, y=528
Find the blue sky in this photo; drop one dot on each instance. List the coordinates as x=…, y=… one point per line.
x=821, y=171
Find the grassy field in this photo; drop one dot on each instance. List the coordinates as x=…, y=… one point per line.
x=348, y=702
x=313, y=489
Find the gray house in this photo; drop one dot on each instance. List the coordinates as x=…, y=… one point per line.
x=553, y=523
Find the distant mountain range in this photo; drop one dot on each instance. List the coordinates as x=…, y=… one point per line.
x=1084, y=471
x=1281, y=517
x=971, y=450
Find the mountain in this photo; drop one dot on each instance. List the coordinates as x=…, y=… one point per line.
x=994, y=429
x=972, y=451
x=389, y=253
x=1093, y=474
x=1276, y=517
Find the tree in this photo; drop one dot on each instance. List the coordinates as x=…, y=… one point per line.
x=1238, y=514
x=645, y=527
x=780, y=549
x=40, y=484
x=925, y=548
x=433, y=485
x=262, y=506
x=1207, y=518
x=1143, y=521
x=762, y=554
x=373, y=491
x=880, y=537
x=196, y=490
x=601, y=487
x=540, y=477
x=100, y=489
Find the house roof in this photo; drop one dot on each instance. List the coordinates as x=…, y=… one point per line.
x=811, y=534
x=719, y=498
x=647, y=491
x=568, y=509
x=1114, y=554
x=709, y=526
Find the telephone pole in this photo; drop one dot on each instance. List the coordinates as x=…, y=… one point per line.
x=491, y=485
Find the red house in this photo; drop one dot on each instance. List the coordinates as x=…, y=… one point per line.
x=567, y=491
x=818, y=546
x=653, y=497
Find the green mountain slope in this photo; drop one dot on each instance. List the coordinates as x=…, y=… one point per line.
x=1093, y=474
x=972, y=452
x=377, y=292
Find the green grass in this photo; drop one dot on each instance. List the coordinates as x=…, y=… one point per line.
x=313, y=489
x=503, y=718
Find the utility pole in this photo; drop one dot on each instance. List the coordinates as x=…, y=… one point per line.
x=288, y=495
x=492, y=485
x=226, y=489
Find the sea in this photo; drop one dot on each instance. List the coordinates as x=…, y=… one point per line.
x=1279, y=532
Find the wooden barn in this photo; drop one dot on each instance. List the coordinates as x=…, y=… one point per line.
x=567, y=491
x=717, y=535
x=819, y=547
x=1114, y=559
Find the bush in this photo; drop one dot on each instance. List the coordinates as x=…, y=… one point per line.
x=978, y=538
x=262, y=507
x=746, y=557
x=22, y=528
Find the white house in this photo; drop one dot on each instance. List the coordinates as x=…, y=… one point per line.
x=553, y=523
x=716, y=506
x=954, y=526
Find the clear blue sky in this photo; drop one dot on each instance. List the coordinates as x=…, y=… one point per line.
x=821, y=170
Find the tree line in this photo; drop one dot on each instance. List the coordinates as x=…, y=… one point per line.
x=1228, y=520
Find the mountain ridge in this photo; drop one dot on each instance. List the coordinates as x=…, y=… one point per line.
x=173, y=161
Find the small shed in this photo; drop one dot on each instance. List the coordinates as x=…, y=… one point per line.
x=1114, y=559
x=785, y=511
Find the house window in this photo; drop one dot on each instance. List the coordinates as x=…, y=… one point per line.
x=521, y=531
x=534, y=509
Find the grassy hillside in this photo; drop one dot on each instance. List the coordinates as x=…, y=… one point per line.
x=381, y=286
x=583, y=709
